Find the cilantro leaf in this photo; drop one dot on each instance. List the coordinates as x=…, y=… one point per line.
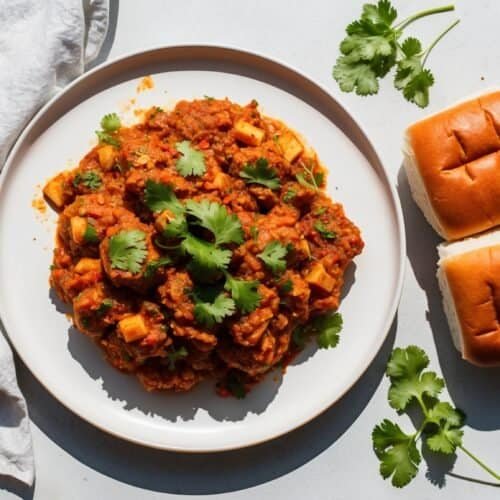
x=273, y=256
x=90, y=179
x=107, y=138
x=127, y=250
x=110, y=122
x=192, y=161
x=446, y=435
x=327, y=328
x=205, y=255
x=405, y=371
x=154, y=265
x=382, y=13
x=355, y=76
x=159, y=197
x=244, y=293
x=225, y=227
x=397, y=452
x=324, y=231
x=299, y=336
x=417, y=89
x=175, y=355
x=411, y=47
x=261, y=173
x=209, y=313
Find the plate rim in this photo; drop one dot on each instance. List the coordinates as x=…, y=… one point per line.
x=395, y=300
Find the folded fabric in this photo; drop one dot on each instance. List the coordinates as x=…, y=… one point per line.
x=43, y=46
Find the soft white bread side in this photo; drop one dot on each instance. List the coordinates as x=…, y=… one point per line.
x=469, y=279
x=418, y=189
x=452, y=160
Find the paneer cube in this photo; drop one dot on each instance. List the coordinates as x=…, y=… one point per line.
x=133, y=328
x=292, y=148
x=78, y=226
x=247, y=133
x=106, y=156
x=319, y=278
x=86, y=265
x=303, y=248
x=54, y=191
x=221, y=181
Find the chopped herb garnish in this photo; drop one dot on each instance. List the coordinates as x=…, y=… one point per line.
x=289, y=196
x=320, y=211
x=110, y=122
x=309, y=178
x=127, y=250
x=104, y=307
x=274, y=255
x=191, y=162
x=159, y=197
x=254, y=232
x=261, y=173
x=286, y=286
x=214, y=217
x=324, y=231
x=244, y=293
x=90, y=179
x=209, y=313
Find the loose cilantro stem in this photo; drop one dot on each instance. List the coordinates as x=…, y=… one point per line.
x=437, y=40
x=479, y=462
x=424, y=13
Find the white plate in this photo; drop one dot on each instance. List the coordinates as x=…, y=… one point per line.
x=72, y=368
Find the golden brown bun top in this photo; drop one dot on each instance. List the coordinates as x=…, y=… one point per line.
x=474, y=281
x=457, y=153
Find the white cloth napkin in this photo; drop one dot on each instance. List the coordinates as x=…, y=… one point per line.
x=44, y=44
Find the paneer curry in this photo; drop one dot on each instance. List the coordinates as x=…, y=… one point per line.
x=200, y=244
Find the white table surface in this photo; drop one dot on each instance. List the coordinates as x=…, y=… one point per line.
x=330, y=458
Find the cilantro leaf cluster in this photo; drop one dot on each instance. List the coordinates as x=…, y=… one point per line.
x=440, y=426
x=203, y=230
x=372, y=48
x=110, y=124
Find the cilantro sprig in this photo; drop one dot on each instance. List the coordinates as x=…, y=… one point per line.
x=127, y=250
x=325, y=327
x=212, y=306
x=440, y=426
x=110, y=123
x=261, y=173
x=372, y=48
x=175, y=355
x=244, y=293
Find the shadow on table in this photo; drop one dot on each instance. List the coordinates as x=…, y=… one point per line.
x=474, y=390
x=200, y=473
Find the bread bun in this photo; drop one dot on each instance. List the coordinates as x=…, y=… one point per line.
x=469, y=278
x=452, y=161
